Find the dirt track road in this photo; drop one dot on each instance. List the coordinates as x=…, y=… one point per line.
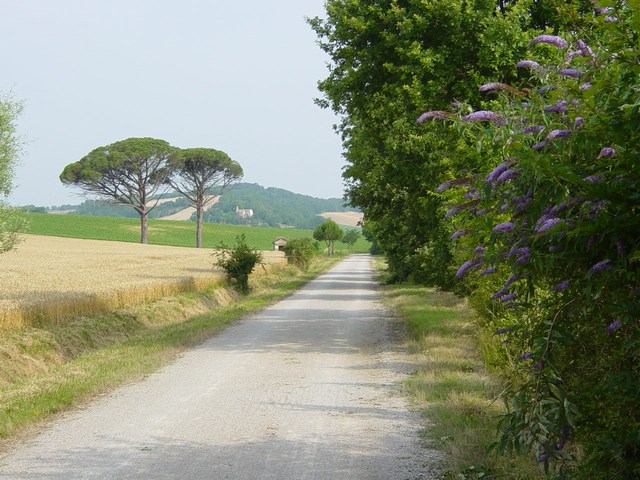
x=306, y=389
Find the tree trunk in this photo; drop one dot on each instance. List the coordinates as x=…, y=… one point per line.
x=143, y=227
x=199, y=214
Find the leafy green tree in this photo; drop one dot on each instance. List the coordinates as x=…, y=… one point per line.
x=300, y=251
x=196, y=172
x=129, y=172
x=238, y=261
x=12, y=222
x=328, y=232
x=350, y=237
x=390, y=60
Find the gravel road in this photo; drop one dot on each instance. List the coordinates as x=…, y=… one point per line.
x=306, y=389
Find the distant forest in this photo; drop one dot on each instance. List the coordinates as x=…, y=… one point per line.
x=274, y=207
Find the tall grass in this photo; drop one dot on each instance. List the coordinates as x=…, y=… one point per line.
x=452, y=387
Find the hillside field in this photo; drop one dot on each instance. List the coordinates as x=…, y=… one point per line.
x=165, y=232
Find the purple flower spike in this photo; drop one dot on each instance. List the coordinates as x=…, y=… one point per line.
x=607, y=152
x=600, y=266
x=511, y=279
x=468, y=265
x=614, y=326
x=502, y=331
x=539, y=365
x=500, y=293
x=549, y=224
x=482, y=115
x=539, y=146
x=529, y=64
x=543, y=458
x=559, y=107
x=509, y=297
x=460, y=233
x=524, y=259
x=497, y=172
x=561, y=286
x=570, y=72
x=578, y=122
x=551, y=40
x=504, y=227
x=594, y=178
x=585, y=49
x=526, y=356
x=488, y=271
x=487, y=87
x=533, y=129
x=610, y=19
x=585, y=86
x=558, y=134
x=507, y=175
x=435, y=114
x=479, y=250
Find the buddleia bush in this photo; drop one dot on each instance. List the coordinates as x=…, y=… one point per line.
x=551, y=231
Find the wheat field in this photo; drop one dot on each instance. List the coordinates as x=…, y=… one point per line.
x=49, y=279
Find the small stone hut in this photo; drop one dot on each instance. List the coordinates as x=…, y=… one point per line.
x=279, y=244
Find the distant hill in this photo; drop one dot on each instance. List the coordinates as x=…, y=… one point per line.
x=273, y=207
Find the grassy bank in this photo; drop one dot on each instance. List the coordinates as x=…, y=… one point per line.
x=52, y=367
x=452, y=387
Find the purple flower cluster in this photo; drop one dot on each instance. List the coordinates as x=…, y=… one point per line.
x=468, y=265
x=460, y=233
x=607, y=152
x=504, y=227
x=600, y=266
x=529, y=64
x=550, y=40
x=433, y=115
x=570, y=72
x=451, y=183
x=558, y=134
x=614, y=326
x=485, y=115
x=561, y=286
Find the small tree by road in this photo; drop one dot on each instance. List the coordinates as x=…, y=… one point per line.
x=328, y=232
x=198, y=170
x=350, y=237
x=129, y=172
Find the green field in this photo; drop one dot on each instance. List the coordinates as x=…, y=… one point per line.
x=166, y=232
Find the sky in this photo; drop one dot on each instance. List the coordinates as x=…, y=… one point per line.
x=239, y=77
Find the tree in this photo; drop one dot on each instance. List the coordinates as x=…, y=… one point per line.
x=389, y=61
x=238, y=262
x=328, y=231
x=350, y=237
x=11, y=220
x=300, y=251
x=129, y=172
x=196, y=172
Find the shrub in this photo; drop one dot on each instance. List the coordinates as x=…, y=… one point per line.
x=551, y=235
x=238, y=262
x=300, y=251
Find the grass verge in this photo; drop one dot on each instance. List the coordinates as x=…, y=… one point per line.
x=51, y=368
x=452, y=387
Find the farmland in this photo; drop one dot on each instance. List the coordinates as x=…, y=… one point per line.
x=55, y=277
x=52, y=277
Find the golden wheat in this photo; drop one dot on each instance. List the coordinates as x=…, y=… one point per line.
x=49, y=279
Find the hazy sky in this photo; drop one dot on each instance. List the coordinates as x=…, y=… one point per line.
x=236, y=76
